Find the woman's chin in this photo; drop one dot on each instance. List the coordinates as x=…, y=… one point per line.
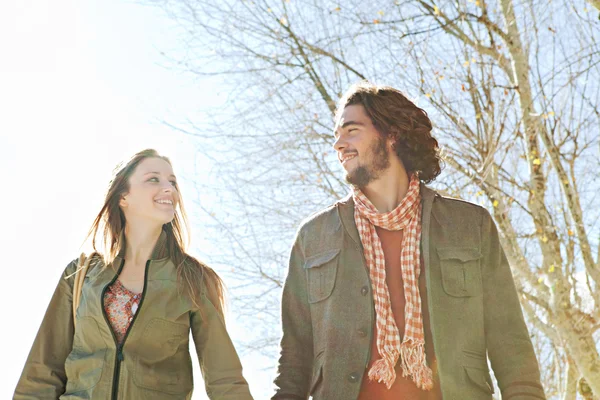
x=166, y=217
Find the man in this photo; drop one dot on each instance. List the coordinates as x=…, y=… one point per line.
x=396, y=292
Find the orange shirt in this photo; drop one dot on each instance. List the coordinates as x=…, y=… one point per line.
x=403, y=388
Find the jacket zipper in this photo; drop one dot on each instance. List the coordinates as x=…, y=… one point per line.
x=119, y=357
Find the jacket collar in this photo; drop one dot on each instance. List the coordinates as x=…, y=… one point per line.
x=346, y=210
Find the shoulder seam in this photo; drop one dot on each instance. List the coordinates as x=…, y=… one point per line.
x=462, y=201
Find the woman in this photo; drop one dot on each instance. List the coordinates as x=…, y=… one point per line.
x=138, y=305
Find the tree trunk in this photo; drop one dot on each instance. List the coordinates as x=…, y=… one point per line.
x=579, y=340
x=571, y=381
x=582, y=348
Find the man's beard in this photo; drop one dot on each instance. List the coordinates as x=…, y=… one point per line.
x=378, y=160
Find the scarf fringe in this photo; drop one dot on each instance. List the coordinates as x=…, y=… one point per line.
x=383, y=369
x=414, y=364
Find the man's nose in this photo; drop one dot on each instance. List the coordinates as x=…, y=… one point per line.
x=339, y=143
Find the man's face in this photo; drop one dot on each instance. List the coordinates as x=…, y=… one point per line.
x=363, y=152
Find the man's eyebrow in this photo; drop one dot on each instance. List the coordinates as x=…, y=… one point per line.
x=348, y=123
x=158, y=173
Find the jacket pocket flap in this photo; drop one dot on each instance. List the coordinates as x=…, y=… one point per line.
x=320, y=259
x=474, y=359
x=476, y=367
x=479, y=378
x=463, y=254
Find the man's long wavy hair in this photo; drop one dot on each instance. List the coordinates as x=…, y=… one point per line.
x=396, y=117
x=192, y=274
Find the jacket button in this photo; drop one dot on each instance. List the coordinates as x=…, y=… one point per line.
x=364, y=290
x=353, y=377
x=362, y=332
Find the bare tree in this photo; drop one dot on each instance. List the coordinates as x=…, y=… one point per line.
x=512, y=88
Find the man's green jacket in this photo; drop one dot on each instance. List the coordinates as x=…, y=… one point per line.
x=474, y=308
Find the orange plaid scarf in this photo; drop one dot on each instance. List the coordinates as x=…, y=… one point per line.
x=411, y=350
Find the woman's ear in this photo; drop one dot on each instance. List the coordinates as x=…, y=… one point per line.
x=123, y=201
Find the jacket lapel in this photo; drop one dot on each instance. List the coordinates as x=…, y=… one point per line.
x=346, y=213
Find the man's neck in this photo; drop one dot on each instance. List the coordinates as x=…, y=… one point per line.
x=387, y=191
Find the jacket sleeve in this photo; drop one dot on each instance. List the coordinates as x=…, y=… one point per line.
x=43, y=376
x=219, y=362
x=295, y=361
x=509, y=345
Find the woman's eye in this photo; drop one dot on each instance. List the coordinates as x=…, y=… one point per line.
x=174, y=183
x=153, y=179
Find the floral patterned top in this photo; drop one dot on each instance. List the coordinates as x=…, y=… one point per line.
x=120, y=305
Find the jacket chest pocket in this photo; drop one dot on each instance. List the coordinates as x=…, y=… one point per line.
x=321, y=270
x=461, y=271
x=163, y=362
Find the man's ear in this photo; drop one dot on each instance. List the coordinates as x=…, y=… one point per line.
x=391, y=142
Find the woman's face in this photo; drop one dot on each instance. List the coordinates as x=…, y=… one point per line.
x=153, y=194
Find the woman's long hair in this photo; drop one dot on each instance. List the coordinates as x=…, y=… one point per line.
x=192, y=274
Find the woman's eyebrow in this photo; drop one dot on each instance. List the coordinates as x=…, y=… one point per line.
x=158, y=173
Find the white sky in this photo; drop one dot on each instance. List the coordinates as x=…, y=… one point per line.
x=82, y=86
